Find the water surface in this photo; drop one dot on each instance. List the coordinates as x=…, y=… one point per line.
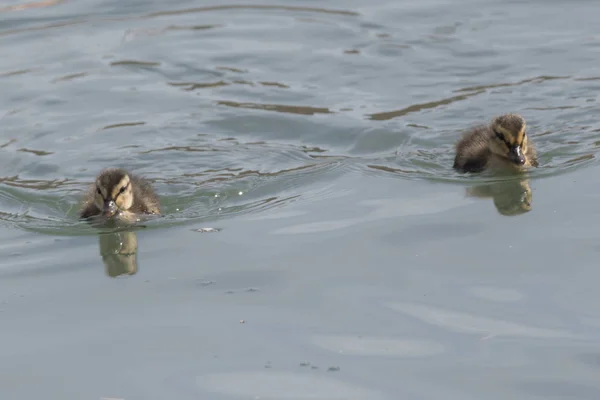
x=349, y=261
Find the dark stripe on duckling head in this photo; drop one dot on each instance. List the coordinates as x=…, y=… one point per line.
x=510, y=128
x=100, y=191
x=121, y=187
x=502, y=137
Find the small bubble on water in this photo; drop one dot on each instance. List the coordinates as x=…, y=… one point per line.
x=240, y=193
x=217, y=195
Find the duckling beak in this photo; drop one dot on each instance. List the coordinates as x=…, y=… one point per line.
x=110, y=208
x=515, y=154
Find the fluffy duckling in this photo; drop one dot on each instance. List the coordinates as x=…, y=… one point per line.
x=501, y=144
x=118, y=193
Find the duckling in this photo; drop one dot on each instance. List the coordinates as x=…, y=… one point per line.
x=116, y=192
x=501, y=144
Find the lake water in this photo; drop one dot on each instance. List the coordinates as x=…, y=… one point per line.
x=348, y=260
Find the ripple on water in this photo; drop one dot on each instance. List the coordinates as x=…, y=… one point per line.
x=379, y=346
x=562, y=147
x=497, y=294
x=213, y=101
x=283, y=385
x=198, y=194
x=471, y=324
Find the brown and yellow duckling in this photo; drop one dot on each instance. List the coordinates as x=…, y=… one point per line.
x=117, y=193
x=503, y=144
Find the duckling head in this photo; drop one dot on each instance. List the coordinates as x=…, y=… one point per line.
x=113, y=192
x=509, y=138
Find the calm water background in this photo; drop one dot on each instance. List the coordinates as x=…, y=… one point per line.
x=316, y=136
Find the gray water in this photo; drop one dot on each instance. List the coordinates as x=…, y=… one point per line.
x=348, y=260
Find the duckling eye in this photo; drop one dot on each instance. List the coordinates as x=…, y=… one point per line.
x=122, y=190
x=98, y=191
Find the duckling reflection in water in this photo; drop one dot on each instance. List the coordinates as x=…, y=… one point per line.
x=510, y=197
x=118, y=195
x=502, y=145
x=119, y=253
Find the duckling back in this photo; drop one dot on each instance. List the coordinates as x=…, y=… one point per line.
x=472, y=150
x=145, y=200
